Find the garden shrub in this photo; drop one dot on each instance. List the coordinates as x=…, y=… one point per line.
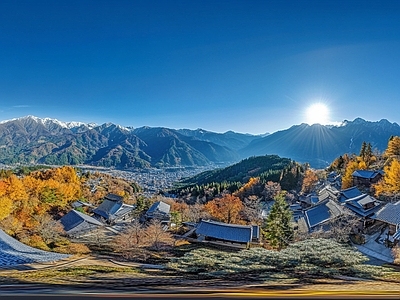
x=314, y=257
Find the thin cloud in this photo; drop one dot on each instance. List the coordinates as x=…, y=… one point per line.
x=21, y=106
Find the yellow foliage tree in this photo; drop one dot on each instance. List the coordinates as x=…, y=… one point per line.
x=347, y=180
x=393, y=148
x=6, y=203
x=390, y=183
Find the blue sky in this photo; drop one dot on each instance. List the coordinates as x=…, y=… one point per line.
x=246, y=66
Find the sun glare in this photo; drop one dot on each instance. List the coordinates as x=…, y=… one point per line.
x=317, y=113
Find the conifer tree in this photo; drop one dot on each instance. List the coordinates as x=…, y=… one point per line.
x=363, y=149
x=278, y=228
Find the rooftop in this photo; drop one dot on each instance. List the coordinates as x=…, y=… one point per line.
x=367, y=174
x=227, y=232
x=390, y=213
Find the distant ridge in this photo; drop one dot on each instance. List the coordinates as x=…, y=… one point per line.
x=35, y=140
x=320, y=145
x=29, y=140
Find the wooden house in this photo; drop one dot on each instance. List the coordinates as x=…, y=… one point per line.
x=76, y=223
x=365, y=178
x=158, y=211
x=231, y=235
x=390, y=215
x=112, y=209
x=321, y=214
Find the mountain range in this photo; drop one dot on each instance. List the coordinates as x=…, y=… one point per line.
x=31, y=140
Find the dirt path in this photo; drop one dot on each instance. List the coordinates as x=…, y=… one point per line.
x=159, y=282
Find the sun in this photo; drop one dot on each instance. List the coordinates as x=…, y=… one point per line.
x=317, y=113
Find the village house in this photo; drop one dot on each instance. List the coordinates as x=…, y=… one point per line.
x=365, y=178
x=349, y=193
x=328, y=192
x=321, y=214
x=363, y=206
x=231, y=235
x=389, y=215
x=76, y=223
x=112, y=209
x=334, y=179
x=158, y=211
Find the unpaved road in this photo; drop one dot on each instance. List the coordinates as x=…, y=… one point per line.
x=154, y=284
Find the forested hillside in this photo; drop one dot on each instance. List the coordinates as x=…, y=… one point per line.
x=31, y=201
x=266, y=168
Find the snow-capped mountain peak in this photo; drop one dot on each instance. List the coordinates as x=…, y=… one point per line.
x=50, y=122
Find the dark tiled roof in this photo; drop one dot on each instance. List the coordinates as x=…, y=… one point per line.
x=114, y=197
x=322, y=212
x=123, y=210
x=367, y=174
x=227, y=232
x=110, y=205
x=107, y=208
x=349, y=193
x=75, y=218
x=314, y=199
x=390, y=213
x=160, y=207
x=356, y=204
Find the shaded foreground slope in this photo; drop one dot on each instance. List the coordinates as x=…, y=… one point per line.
x=13, y=252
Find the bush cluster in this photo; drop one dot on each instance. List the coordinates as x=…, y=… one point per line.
x=314, y=257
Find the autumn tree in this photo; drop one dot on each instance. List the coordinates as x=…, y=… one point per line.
x=252, y=187
x=131, y=241
x=226, y=209
x=6, y=204
x=278, y=230
x=197, y=211
x=271, y=190
x=252, y=210
x=179, y=212
x=48, y=229
x=393, y=148
x=309, y=180
x=389, y=185
x=347, y=180
x=157, y=237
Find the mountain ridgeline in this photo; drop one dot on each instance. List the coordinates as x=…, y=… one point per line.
x=32, y=140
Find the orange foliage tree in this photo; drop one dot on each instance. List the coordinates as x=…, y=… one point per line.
x=310, y=178
x=252, y=187
x=226, y=209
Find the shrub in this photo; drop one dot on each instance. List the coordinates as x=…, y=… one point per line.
x=319, y=257
x=73, y=248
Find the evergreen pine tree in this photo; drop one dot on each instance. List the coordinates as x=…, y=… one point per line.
x=363, y=149
x=278, y=228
